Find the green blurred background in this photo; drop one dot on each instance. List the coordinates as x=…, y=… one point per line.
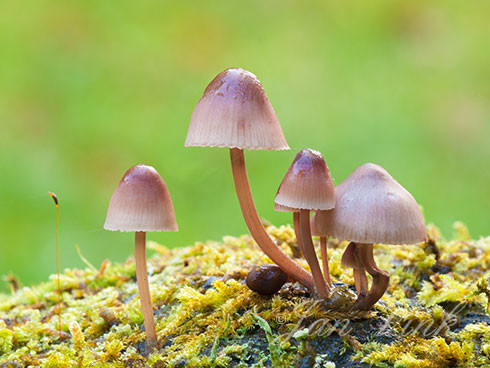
x=90, y=88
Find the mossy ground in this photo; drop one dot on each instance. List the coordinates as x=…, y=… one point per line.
x=435, y=313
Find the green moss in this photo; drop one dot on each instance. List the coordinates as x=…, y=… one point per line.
x=433, y=315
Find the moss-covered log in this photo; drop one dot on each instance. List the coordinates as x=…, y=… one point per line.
x=435, y=313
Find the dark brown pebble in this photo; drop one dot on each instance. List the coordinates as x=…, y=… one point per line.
x=266, y=279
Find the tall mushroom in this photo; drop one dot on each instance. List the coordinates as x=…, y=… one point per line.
x=371, y=207
x=308, y=186
x=235, y=112
x=141, y=203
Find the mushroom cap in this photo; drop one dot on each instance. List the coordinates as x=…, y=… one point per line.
x=307, y=183
x=281, y=208
x=372, y=207
x=348, y=257
x=235, y=112
x=141, y=202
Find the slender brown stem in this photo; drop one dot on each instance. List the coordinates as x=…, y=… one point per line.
x=361, y=281
x=143, y=288
x=352, y=259
x=297, y=232
x=326, y=269
x=380, y=278
x=310, y=254
x=255, y=226
x=360, y=277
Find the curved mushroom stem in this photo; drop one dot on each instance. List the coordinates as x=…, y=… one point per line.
x=255, y=226
x=310, y=255
x=360, y=278
x=326, y=269
x=364, y=253
x=361, y=282
x=143, y=288
x=297, y=232
x=352, y=259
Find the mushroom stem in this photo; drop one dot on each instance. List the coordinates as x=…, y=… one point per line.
x=352, y=259
x=360, y=277
x=360, y=281
x=255, y=226
x=297, y=232
x=143, y=288
x=310, y=254
x=380, y=278
x=326, y=269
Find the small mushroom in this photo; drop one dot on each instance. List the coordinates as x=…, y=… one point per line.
x=307, y=186
x=266, y=279
x=371, y=207
x=141, y=203
x=235, y=112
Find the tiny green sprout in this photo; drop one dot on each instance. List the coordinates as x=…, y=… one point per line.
x=55, y=199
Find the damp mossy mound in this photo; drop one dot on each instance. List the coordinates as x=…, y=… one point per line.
x=435, y=313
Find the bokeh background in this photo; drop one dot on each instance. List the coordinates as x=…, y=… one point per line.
x=90, y=88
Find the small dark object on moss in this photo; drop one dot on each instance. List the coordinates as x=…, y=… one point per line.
x=267, y=279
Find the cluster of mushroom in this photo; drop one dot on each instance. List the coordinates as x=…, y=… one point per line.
x=366, y=208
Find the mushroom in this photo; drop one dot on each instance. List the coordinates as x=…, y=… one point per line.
x=141, y=203
x=266, y=279
x=323, y=249
x=235, y=112
x=308, y=186
x=371, y=207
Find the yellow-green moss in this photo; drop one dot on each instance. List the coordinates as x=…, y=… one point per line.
x=206, y=316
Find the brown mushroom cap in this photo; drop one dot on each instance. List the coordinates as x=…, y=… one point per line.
x=141, y=202
x=307, y=183
x=349, y=258
x=235, y=112
x=372, y=207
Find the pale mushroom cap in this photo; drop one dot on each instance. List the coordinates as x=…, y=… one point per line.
x=372, y=207
x=281, y=208
x=307, y=183
x=141, y=202
x=235, y=112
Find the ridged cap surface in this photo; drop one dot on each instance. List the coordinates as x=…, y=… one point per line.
x=307, y=184
x=141, y=202
x=372, y=207
x=235, y=112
